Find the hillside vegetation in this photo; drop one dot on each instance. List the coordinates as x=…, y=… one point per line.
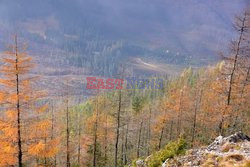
x=233, y=150
x=122, y=127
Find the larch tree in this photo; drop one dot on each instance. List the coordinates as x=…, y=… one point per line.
x=234, y=65
x=137, y=106
x=118, y=126
x=23, y=108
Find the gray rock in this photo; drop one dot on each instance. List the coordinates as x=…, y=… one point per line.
x=235, y=138
x=196, y=157
x=140, y=163
x=217, y=143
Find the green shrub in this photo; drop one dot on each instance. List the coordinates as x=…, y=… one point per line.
x=169, y=151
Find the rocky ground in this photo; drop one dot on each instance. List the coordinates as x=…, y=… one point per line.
x=233, y=150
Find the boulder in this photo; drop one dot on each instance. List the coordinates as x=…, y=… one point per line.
x=235, y=138
x=216, y=144
x=140, y=163
x=220, y=152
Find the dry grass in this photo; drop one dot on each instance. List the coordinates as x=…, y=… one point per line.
x=228, y=146
x=211, y=161
x=246, y=164
x=234, y=160
x=235, y=157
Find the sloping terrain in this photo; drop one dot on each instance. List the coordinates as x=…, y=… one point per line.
x=233, y=150
x=79, y=38
x=228, y=151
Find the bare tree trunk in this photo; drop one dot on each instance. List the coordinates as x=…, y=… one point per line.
x=118, y=128
x=143, y=140
x=139, y=139
x=45, y=159
x=19, y=139
x=106, y=141
x=52, y=127
x=198, y=101
x=126, y=145
x=241, y=96
x=67, y=133
x=79, y=139
x=160, y=139
x=231, y=76
x=122, y=147
x=179, y=121
x=105, y=135
x=236, y=59
x=221, y=124
x=149, y=131
x=95, y=134
x=171, y=131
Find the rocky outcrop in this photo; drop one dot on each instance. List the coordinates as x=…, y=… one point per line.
x=140, y=163
x=233, y=150
x=235, y=138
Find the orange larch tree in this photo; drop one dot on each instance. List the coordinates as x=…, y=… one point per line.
x=22, y=107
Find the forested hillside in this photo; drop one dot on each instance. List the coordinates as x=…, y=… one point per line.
x=94, y=29
x=49, y=117
x=72, y=39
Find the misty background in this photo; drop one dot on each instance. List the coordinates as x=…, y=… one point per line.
x=73, y=38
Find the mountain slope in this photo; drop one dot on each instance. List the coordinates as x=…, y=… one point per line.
x=95, y=37
x=189, y=27
x=233, y=150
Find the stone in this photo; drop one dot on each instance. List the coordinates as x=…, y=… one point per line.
x=238, y=142
x=140, y=163
x=217, y=142
x=237, y=137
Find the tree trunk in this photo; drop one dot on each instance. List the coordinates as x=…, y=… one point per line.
x=45, y=158
x=67, y=133
x=79, y=139
x=53, y=126
x=171, y=131
x=139, y=139
x=198, y=101
x=126, y=145
x=122, y=147
x=235, y=60
x=149, y=131
x=106, y=142
x=160, y=139
x=19, y=139
x=179, y=115
x=241, y=96
x=118, y=129
x=95, y=134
